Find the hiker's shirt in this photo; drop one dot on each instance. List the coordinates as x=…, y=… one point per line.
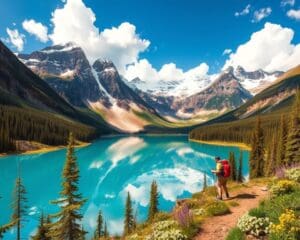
x=219, y=169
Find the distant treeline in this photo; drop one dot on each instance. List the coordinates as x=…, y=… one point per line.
x=236, y=131
x=43, y=127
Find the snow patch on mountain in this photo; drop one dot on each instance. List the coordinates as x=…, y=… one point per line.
x=254, y=81
x=177, y=88
x=60, y=48
x=101, y=88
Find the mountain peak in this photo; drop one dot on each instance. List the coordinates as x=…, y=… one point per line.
x=104, y=65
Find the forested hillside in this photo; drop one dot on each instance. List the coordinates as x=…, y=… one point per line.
x=31, y=110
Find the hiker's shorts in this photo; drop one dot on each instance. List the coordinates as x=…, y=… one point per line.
x=221, y=181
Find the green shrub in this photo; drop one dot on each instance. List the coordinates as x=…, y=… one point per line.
x=257, y=212
x=161, y=216
x=216, y=208
x=276, y=206
x=253, y=225
x=235, y=234
x=194, y=203
x=293, y=174
x=288, y=227
x=283, y=187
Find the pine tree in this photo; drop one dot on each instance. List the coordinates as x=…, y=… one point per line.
x=292, y=155
x=99, y=229
x=240, y=177
x=153, y=206
x=19, y=206
x=42, y=231
x=282, y=139
x=67, y=226
x=129, y=218
x=233, y=173
x=270, y=162
x=257, y=151
x=105, y=233
x=204, y=182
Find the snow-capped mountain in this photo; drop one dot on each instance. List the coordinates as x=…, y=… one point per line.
x=255, y=81
x=178, y=88
x=213, y=95
x=98, y=86
x=67, y=70
x=223, y=94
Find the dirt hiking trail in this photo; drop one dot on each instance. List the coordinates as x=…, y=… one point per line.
x=217, y=228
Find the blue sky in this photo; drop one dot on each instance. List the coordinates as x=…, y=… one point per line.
x=184, y=32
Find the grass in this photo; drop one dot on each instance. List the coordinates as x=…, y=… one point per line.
x=217, y=208
x=235, y=234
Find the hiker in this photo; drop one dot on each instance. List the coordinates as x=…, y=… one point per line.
x=222, y=172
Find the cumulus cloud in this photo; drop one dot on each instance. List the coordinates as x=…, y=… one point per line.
x=261, y=14
x=244, y=12
x=168, y=72
x=287, y=3
x=294, y=14
x=16, y=38
x=37, y=29
x=227, y=51
x=75, y=22
x=269, y=49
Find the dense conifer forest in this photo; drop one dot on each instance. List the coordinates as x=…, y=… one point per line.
x=31, y=125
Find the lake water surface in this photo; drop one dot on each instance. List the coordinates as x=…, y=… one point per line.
x=109, y=168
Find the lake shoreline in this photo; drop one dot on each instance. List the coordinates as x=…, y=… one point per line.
x=222, y=143
x=42, y=149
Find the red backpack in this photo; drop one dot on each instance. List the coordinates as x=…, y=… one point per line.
x=226, y=168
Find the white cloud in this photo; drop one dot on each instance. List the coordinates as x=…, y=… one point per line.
x=169, y=79
x=138, y=194
x=16, y=38
x=287, y=3
x=172, y=182
x=37, y=29
x=269, y=49
x=75, y=22
x=294, y=14
x=244, y=12
x=261, y=14
x=142, y=69
x=227, y=51
x=168, y=72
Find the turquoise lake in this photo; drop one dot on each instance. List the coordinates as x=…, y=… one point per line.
x=109, y=168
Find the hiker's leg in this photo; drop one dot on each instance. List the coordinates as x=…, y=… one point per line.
x=225, y=188
x=219, y=188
